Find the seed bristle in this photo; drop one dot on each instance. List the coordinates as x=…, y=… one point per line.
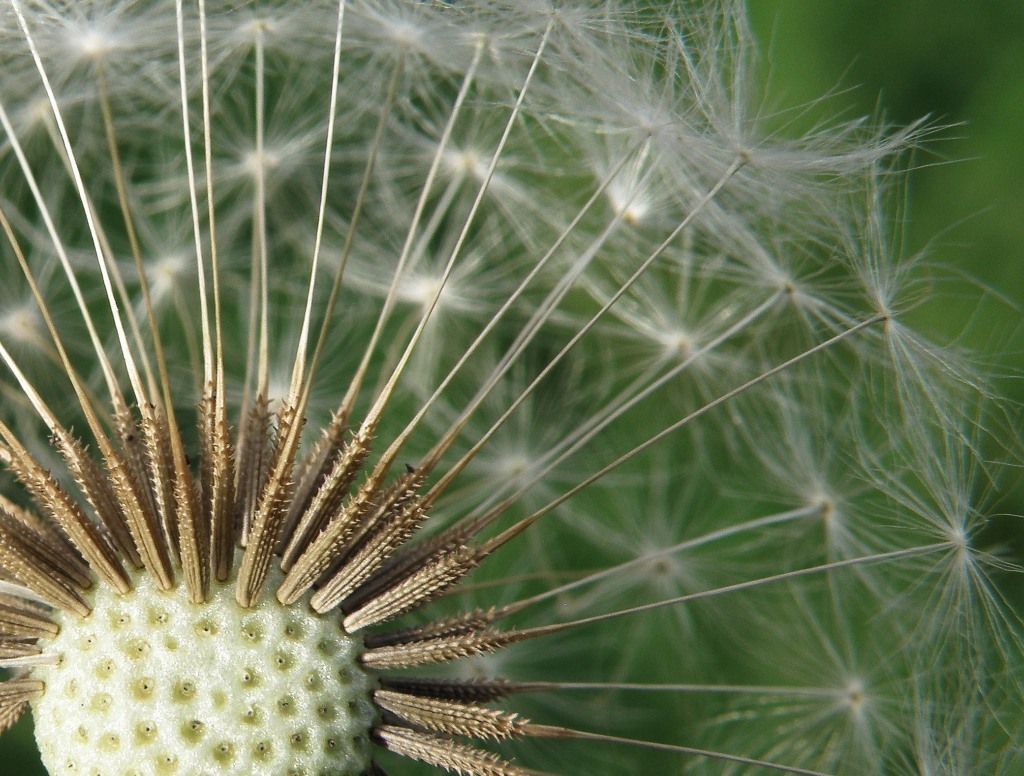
x=328, y=545
x=392, y=523
x=52, y=549
x=136, y=445
x=469, y=690
x=19, y=621
x=254, y=443
x=11, y=713
x=463, y=622
x=444, y=753
x=218, y=481
x=98, y=492
x=314, y=467
x=16, y=649
x=441, y=649
x=87, y=537
x=410, y=559
x=328, y=477
x=416, y=588
x=271, y=509
x=26, y=557
x=451, y=717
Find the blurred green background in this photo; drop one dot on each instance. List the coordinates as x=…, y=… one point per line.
x=962, y=66
x=960, y=63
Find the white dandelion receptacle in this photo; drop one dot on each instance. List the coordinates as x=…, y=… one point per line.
x=151, y=682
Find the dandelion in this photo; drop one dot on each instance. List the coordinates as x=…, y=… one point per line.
x=472, y=387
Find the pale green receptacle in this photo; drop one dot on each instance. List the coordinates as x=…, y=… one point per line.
x=151, y=683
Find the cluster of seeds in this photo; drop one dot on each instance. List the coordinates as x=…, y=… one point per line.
x=344, y=341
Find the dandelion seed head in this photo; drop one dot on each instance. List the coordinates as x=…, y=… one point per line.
x=629, y=203
x=93, y=35
x=167, y=273
x=259, y=163
x=421, y=290
x=415, y=358
x=403, y=33
x=958, y=539
x=21, y=324
x=258, y=27
x=677, y=344
x=513, y=466
x=95, y=46
x=855, y=696
x=466, y=163
x=277, y=389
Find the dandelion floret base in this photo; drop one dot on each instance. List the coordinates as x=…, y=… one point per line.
x=151, y=683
